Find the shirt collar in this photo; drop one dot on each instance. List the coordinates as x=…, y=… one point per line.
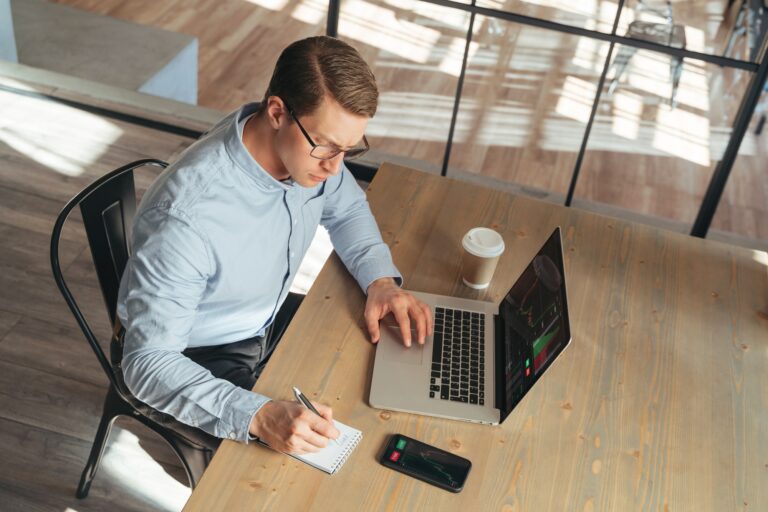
x=241, y=156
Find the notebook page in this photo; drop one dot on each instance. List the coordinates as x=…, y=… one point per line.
x=332, y=457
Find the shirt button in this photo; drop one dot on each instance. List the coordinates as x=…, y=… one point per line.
x=232, y=435
x=293, y=254
x=294, y=222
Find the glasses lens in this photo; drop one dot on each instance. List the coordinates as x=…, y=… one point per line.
x=328, y=152
x=324, y=152
x=353, y=153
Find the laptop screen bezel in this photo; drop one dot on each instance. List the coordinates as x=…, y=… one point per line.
x=500, y=341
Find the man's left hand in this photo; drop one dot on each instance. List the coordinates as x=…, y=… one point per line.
x=384, y=297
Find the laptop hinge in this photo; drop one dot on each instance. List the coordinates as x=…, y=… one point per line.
x=499, y=365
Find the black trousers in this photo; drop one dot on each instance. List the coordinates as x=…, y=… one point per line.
x=242, y=362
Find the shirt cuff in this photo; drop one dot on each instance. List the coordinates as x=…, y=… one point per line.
x=238, y=412
x=250, y=421
x=369, y=272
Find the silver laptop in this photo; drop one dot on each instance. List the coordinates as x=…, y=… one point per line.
x=483, y=357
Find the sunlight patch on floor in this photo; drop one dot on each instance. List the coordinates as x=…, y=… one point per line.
x=683, y=134
x=760, y=257
x=311, y=12
x=381, y=27
x=272, y=5
x=626, y=114
x=454, y=56
x=412, y=115
x=576, y=99
x=26, y=127
x=126, y=464
x=436, y=15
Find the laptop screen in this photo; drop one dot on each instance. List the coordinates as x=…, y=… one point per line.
x=534, y=320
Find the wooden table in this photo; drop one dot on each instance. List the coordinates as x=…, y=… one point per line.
x=659, y=403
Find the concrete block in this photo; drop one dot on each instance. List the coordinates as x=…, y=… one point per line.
x=7, y=39
x=104, y=49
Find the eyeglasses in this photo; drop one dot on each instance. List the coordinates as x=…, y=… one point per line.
x=327, y=152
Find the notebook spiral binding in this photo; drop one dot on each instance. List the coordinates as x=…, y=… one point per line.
x=343, y=456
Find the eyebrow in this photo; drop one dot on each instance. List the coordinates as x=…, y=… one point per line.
x=334, y=143
x=331, y=142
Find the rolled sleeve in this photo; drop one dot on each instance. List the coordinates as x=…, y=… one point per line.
x=238, y=414
x=355, y=235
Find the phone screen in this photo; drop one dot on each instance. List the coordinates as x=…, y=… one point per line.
x=426, y=462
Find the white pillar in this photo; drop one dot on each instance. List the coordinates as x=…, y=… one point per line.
x=7, y=39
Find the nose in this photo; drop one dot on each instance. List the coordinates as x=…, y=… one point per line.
x=332, y=166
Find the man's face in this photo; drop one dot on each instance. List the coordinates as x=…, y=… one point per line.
x=330, y=124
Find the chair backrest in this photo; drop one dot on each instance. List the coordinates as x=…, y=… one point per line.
x=661, y=9
x=108, y=206
x=108, y=219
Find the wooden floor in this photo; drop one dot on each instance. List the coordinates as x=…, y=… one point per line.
x=526, y=97
x=51, y=387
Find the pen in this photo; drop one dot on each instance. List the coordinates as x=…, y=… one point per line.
x=303, y=400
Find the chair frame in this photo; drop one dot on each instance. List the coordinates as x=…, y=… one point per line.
x=118, y=401
x=625, y=54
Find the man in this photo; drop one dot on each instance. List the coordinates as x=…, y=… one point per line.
x=218, y=239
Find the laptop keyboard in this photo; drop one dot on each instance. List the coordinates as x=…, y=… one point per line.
x=458, y=356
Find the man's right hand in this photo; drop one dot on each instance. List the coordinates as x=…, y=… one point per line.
x=290, y=427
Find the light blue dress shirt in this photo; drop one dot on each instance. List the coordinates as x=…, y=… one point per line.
x=216, y=244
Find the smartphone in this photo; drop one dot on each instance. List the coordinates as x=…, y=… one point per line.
x=420, y=460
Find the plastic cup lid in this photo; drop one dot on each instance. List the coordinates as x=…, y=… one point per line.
x=483, y=242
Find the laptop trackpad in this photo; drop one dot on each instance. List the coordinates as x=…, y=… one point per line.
x=394, y=348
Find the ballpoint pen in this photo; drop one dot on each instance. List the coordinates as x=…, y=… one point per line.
x=303, y=400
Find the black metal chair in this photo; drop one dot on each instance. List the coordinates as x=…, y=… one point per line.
x=108, y=206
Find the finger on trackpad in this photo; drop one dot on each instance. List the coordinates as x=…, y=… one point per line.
x=390, y=322
x=395, y=328
x=396, y=351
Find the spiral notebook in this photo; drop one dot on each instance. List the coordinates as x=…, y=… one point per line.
x=334, y=455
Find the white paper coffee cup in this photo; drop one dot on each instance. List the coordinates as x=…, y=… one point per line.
x=482, y=249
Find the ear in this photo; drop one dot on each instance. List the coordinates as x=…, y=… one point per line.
x=276, y=111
